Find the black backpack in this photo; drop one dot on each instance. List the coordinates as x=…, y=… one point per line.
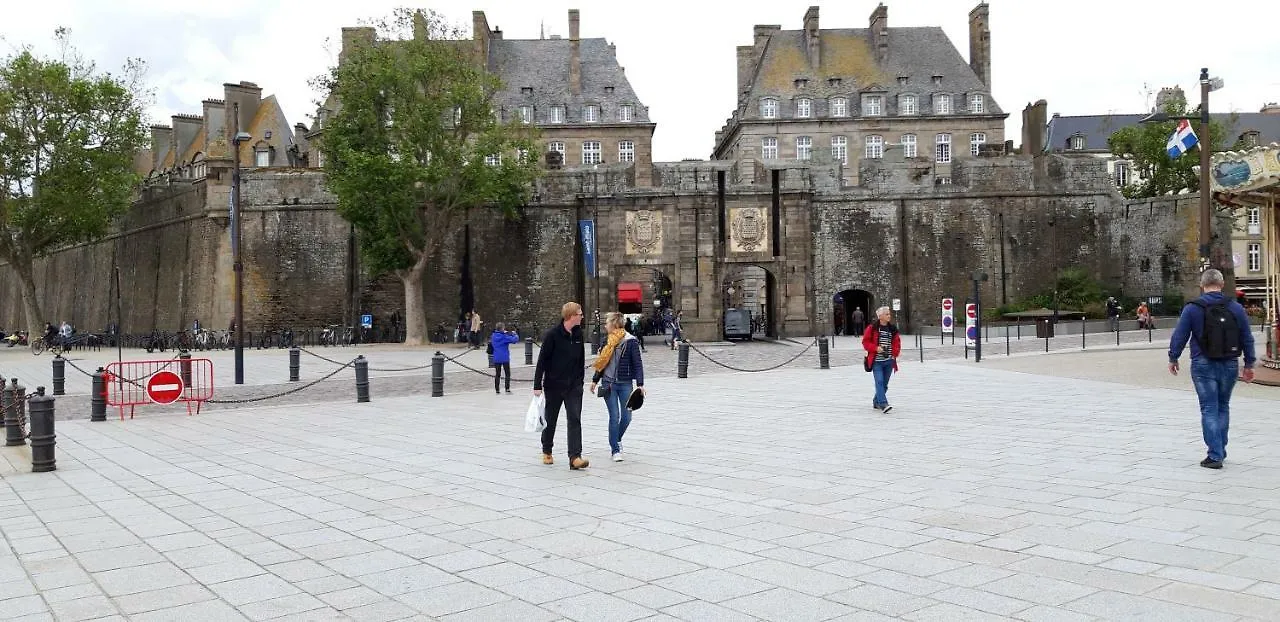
x=1220, y=335
x=489, y=348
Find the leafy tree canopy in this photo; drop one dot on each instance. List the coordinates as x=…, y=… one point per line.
x=1145, y=145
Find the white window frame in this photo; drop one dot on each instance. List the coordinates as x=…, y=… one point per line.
x=804, y=148
x=908, y=105
x=1255, y=257
x=626, y=151
x=262, y=158
x=873, y=147
x=591, y=153
x=804, y=108
x=839, y=106
x=522, y=155
x=557, y=115
x=977, y=104
x=1076, y=143
x=626, y=113
x=591, y=113
x=840, y=149
x=526, y=114
x=556, y=146
x=942, y=148
x=493, y=159
x=1255, y=220
x=769, y=148
x=976, y=141
x=909, y=146
x=872, y=105
x=768, y=108
x=942, y=104
x=1121, y=172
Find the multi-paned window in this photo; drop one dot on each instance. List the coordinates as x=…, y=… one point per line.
x=941, y=104
x=804, y=147
x=804, y=108
x=907, y=105
x=526, y=114
x=839, y=107
x=977, y=103
x=875, y=146
x=976, y=141
x=591, y=113
x=493, y=159
x=769, y=108
x=942, y=149
x=626, y=151
x=1121, y=173
x=262, y=158
x=872, y=105
x=625, y=113
x=769, y=148
x=1255, y=257
x=557, y=114
x=908, y=145
x=591, y=152
x=1255, y=220
x=840, y=149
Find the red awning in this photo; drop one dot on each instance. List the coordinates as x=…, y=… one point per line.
x=629, y=293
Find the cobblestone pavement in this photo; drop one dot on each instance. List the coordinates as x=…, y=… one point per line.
x=985, y=495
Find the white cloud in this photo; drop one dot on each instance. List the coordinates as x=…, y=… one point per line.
x=1085, y=57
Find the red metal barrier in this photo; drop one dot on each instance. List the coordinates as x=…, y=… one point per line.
x=135, y=383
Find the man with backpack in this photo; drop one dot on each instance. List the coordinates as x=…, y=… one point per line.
x=1219, y=332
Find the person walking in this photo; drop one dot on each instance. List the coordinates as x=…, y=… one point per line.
x=561, y=364
x=676, y=328
x=858, y=320
x=1218, y=329
x=501, y=341
x=883, y=344
x=618, y=366
x=1113, y=313
x=476, y=327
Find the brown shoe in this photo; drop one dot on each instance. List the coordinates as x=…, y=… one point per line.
x=579, y=463
x=547, y=459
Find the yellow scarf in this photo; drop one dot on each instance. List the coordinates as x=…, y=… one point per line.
x=606, y=353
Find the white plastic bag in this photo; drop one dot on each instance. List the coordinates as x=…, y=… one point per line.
x=535, y=420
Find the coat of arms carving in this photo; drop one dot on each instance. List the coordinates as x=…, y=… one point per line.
x=644, y=232
x=749, y=230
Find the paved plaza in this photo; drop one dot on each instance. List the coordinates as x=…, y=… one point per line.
x=987, y=494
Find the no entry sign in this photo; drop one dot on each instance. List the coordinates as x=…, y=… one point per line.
x=948, y=324
x=947, y=304
x=164, y=387
x=971, y=324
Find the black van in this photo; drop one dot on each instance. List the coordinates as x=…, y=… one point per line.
x=737, y=324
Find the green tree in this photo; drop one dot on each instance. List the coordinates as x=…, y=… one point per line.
x=415, y=144
x=1145, y=145
x=68, y=137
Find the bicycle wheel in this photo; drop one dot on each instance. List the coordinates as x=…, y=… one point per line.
x=37, y=347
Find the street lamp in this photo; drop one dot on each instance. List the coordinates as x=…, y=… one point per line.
x=1207, y=85
x=236, y=140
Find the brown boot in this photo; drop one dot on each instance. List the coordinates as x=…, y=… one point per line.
x=579, y=463
x=547, y=459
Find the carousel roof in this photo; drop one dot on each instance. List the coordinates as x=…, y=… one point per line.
x=1252, y=171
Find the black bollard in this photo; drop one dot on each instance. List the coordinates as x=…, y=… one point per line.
x=1006, y=339
x=59, y=375
x=362, y=379
x=682, y=360
x=295, y=363
x=1148, y=332
x=184, y=366
x=42, y=436
x=595, y=339
x=98, y=400
x=1117, y=334
x=528, y=351
x=824, y=353
x=437, y=369
x=1084, y=331
x=10, y=402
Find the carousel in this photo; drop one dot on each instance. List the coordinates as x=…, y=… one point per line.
x=1247, y=179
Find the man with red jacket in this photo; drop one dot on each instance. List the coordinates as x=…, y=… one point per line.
x=882, y=343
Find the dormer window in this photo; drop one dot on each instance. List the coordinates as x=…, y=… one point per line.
x=262, y=157
x=839, y=107
x=907, y=105
x=872, y=105
x=941, y=104
x=625, y=113
x=1250, y=139
x=526, y=114
x=804, y=108
x=557, y=114
x=1076, y=143
x=977, y=104
x=526, y=90
x=769, y=108
x=802, y=83
x=591, y=113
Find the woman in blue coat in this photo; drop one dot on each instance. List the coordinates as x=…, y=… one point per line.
x=501, y=343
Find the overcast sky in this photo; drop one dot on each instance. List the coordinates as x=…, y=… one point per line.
x=1082, y=56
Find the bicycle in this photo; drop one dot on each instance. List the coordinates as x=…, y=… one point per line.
x=39, y=346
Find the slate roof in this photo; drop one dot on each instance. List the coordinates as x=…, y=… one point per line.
x=1096, y=129
x=543, y=64
x=917, y=53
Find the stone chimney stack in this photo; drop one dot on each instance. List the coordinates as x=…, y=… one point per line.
x=879, y=27
x=161, y=137
x=353, y=36
x=1035, y=118
x=575, y=59
x=1270, y=108
x=480, y=36
x=813, y=46
x=980, y=42
x=746, y=66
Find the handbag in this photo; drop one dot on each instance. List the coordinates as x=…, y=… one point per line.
x=602, y=389
x=866, y=363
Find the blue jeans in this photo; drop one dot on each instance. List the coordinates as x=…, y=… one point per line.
x=1214, y=379
x=881, y=371
x=619, y=415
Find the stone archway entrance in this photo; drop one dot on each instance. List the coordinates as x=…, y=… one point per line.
x=644, y=292
x=843, y=305
x=749, y=300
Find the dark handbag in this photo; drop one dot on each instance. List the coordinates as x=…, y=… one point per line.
x=602, y=389
x=866, y=363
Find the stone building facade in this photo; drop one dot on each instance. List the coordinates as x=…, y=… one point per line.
x=851, y=94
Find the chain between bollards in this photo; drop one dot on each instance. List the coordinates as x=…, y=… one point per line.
x=682, y=360
x=437, y=369
x=59, y=375
x=824, y=353
x=295, y=363
x=362, y=379
x=98, y=399
x=43, y=438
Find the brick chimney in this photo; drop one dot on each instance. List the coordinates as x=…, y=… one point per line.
x=813, y=46
x=480, y=35
x=980, y=42
x=575, y=59
x=878, y=26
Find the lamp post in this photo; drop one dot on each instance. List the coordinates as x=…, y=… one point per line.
x=238, y=138
x=1207, y=85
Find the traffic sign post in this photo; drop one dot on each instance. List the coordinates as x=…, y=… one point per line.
x=970, y=325
x=164, y=387
x=948, y=323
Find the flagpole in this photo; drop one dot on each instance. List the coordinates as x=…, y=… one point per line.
x=1206, y=145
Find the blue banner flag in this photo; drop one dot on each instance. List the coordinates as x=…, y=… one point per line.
x=588, y=230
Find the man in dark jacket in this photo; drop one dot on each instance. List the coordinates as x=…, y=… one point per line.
x=1214, y=377
x=561, y=365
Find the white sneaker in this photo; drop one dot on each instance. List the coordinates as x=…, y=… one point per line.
x=617, y=457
